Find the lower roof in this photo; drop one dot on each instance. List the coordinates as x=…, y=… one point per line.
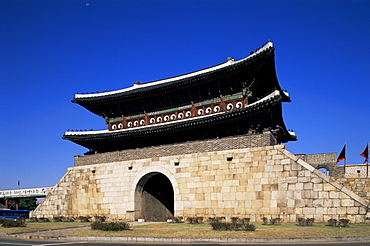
x=256, y=117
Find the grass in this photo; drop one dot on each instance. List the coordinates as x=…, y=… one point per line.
x=185, y=230
x=35, y=226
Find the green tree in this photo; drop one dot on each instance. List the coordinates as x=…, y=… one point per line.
x=28, y=203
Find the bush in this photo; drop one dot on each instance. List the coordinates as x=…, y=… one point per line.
x=275, y=221
x=34, y=219
x=97, y=225
x=195, y=220
x=112, y=226
x=344, y=222
x=84, y=218
x=216, y=219
x=99, y=218
x=58, y=219
x=223, y=226
x=175, y=219
x=13, y=223
x=338, y=223
x=305, y=222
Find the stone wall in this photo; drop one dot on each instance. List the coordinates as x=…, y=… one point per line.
x=250, y=183
x=360, y=185
x=357, y=171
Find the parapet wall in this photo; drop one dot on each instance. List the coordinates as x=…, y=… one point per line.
x=357, y=171
x=250, y=183
x=325, y=160
x=227, y=143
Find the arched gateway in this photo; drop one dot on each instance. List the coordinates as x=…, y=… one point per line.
x=154, y=197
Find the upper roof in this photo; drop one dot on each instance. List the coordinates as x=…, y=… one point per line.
x=149, y=85
x=147, y=97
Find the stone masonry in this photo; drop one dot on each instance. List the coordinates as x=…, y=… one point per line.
x=249, y=182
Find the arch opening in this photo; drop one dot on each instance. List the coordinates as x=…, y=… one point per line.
x=324, y=170
x=154, y=197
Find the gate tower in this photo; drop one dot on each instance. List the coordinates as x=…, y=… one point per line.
x=238, y=97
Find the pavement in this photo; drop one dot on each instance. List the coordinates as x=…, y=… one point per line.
x=62, y=234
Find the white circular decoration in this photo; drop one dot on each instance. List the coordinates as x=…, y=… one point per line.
x=208, y=110
x=129, y=124
x=200, y=111
x=152, y=121
x=159, y=119
x=166, y=118
x=173, y=117
x=120, y=126
x=180, y=116
x=136, y=123
x=114, y=127
x=142, y=122
x=216, y=109
x=229, y=106
x=187, y=114
x=239, y=105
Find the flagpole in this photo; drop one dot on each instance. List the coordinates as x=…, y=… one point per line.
x=367, y=163
x=345, y=158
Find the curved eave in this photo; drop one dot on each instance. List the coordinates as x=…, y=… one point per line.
x=170, y=83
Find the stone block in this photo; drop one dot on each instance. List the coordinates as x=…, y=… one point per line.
x=291, y=203
x=329, y=187
x=273, y=203
x=323, y=194
x=308, y=212
x=352, y=210
x=291, y=186
x=333, y=194
x=347, y=202
x=299, y=186
x=318, y=187
x=332, y=211
x=318, y=203
x=300, y=203
x=277, y=157
x=297, y=194
x=278, y=168
x=341, y=210
x=307, y=186
x=283, y=186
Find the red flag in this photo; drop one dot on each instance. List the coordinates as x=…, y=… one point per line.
x=365, y=153
x=342, y=154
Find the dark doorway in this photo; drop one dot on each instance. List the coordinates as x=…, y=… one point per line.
x=157, y=198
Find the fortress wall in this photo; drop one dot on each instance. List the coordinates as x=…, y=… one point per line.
x=257, y=182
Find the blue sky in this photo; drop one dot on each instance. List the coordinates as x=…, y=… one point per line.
x=51, y=49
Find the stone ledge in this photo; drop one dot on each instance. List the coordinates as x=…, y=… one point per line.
x=215, y=240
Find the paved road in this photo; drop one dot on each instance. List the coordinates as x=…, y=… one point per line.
x=18, y=242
